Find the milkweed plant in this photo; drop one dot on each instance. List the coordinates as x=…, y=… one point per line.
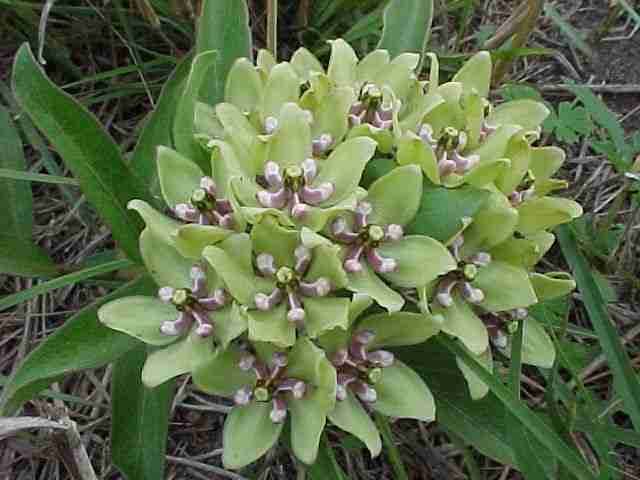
x=294, y=269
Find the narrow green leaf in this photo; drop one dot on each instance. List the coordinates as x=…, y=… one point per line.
x=81, y=343
x=20, y=256
x=85, y=147
x=63, y=281
x=609, y=339
x=222, y=26
x=139, y=419
x=36, y=177
x=391, y=448
x=407, y=26
x=158, y=126
x=326, y=465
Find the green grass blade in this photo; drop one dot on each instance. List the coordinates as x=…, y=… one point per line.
x=36, y=177
x=63, y=281
x=393, y=454
x=407, y=26
x=326, y=465
x=85, y=147
x=608, y=336
x=81, y=343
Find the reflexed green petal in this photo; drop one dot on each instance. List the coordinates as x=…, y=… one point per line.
x=505, y=287
x=283, y=86
x=496, y=145
x=400, y=328
x=537, y=346
x=177, y=359
x=371, y=64
x=344, y=167
x=244, y=86
x=477, y=388
x=316, y=218
x=528, y=114
x=269, y=237
x=305, y=64
x=359, y=303
x=227, y=164
x=272, y=326
x=324, y=314
x=220, y=374
x=162, y=226
x=239, y=280
x=403, y=394
x=327, y=263
x=450, y=113
x=309, y=363
x=552, y=285
x=519, y=152
x=398, y=73
x=206, y=122
x=308, y=418
x=486, y=172
x=420, y=260
x=412, y=150
x=350, y=416
x=248, y=434
x=493, y=224
x=229, y=322
x=178, y=176
x=434, y=71
x=163, y=262
x=546, y=212
x=333, y=340
x=414, y=112
x=524, y=252
x=139, y=317
x=383, y=137
x=265, y=60
x=291, y=144
x=331, y=116
x=342, y=65
x=474, y=107
x=368, y=283
x=461, y=322
x=395, y=197
x=191, y=239
x=545, y=162
x=475, y=74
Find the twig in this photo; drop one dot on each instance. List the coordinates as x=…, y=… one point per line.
x=204, y=467
x=272, y=27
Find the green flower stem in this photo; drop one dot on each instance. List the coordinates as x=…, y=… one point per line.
x=516, y=359
x=392, y=450
x=272, y=27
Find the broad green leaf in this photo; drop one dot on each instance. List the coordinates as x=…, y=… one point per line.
x=82, y=342
x=139, y=416
x=19, y=256
x=223, y=26
x=158, y=127
x=407, y=26
x=85, y=147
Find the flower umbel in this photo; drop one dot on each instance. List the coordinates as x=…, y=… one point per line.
x=205, y=208
x=448, y=149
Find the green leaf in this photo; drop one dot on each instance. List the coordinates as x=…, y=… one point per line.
x=391, y=449
x=139, y=417
x=326, y=465
x=223, y=26
x=407, y=26
x=442, y=211
x=19, y=256
x=81, y=343
x=158, y=126
x=608, y=336
x=85, y=147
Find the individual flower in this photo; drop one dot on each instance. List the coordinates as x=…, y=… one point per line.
x=270, y=387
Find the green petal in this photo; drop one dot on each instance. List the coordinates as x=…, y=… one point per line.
x=367, y=282
x=178, y=176
x=420, y=260
x=265, y=60
x=552, y=285
x=546, y=212
x=177, y=359
x=398, y=73
x=415, y=111
x=486, y=172
x=308, y=419
x=191, y=239
x=477, y=388
x=342, y=64
x=305, y=64
x=291, y=144
x=350, y=416
x=545, y=162
x=309, y=363
x=316, y=219
x=475, y=74
x=434, y=71
x=450, y=113
x=369, y=67
x=248, y=434
x=269, y=237
x=206, y=121
x=238, y=130
x=495, y=146
x=412, y=150
x=239, y=280
x=272, y=326
x=528, y=114
x=382, y=136
x=505, y=287
x=395, y=197
x=344, y=167
x=227, y=164
x=230, y=323
x=523, y=252
x=403, y=394
x=519, y=153
x=461, y=322
x=474, y=106
x=139, y=317
x=324, y=314
x=220, y=374
x=331, y=116
x=163, y=262
x=493, y=224
x=283, y=86
x=162, y=226
x=400, y=328
x=244, y=86
x=327, y=263
x=537, y=346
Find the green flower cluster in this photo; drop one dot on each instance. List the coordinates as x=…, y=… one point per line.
x=284, y=282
